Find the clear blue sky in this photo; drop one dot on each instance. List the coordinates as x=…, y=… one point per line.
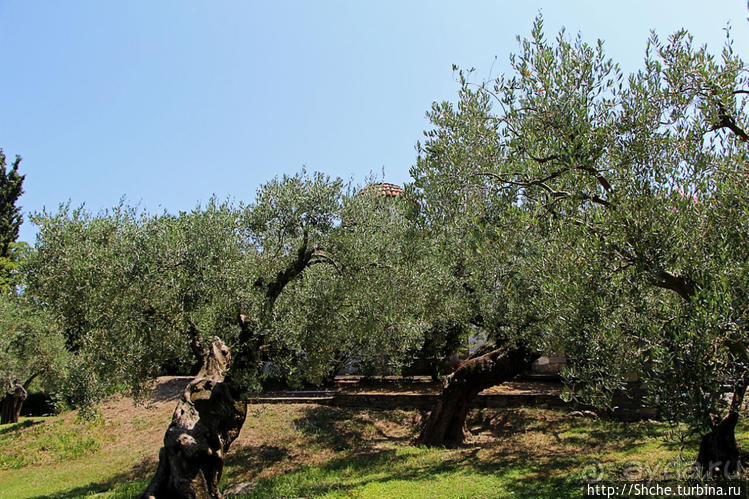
x=168, y=102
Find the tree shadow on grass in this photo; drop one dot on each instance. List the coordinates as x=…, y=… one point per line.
x=171, y=389
x=524, y=478
x=590, y=433
x=512, y=441
x=19, y=426
x=338, y=429
x=126, y=484
x=367, y=462
x=256, y=457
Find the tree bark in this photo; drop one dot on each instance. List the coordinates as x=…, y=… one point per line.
x=10, y=405
x=206, y=421
x=338, y=363
x=198, y=351
x=445, y=425
x=719, y=453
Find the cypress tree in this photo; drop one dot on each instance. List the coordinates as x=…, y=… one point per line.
x=11, y=188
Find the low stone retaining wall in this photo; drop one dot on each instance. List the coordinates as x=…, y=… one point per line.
x=425, y=401
x=386, y=400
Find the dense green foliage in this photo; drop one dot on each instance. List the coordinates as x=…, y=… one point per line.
x=11, y=188
x=31, y=346
x=322, y=276
x=635, y=189
x=127, y=286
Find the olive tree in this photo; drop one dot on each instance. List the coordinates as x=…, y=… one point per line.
x=133, y=292
x=488, y=245
x=31, y=348
x=640, y=186
x=365, y=307
x=306, y=272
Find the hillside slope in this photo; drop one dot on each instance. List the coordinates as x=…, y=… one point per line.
x=303, y=450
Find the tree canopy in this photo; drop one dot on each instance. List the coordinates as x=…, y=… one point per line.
x=31, y=346
x=636, y=187
x=322, y=274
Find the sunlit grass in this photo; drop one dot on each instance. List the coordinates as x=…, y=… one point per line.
x=46, y=442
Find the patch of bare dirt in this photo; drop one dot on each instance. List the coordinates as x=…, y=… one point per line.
x=138, y=429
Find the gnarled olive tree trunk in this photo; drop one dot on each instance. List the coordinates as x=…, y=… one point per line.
x=210, y=414
x=446, y=424
x=719, y=453
x=206, y=421
x=10, y=404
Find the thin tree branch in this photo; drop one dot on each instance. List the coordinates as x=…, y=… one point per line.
x=31, y=378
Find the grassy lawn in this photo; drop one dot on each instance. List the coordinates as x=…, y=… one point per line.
x=318, y=451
